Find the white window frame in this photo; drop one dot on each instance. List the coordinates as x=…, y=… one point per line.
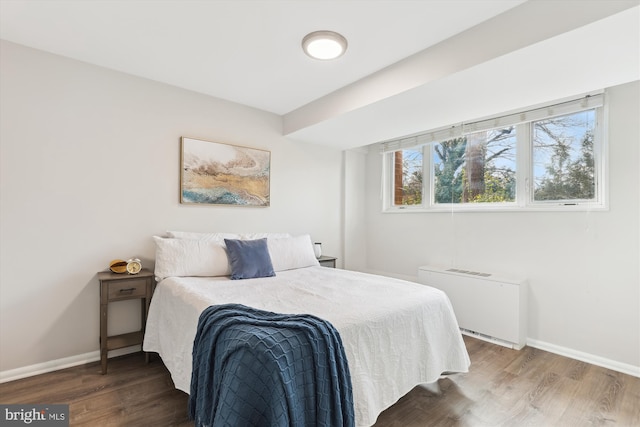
x=524, y=157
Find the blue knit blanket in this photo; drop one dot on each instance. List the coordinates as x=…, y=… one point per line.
x=257, y=368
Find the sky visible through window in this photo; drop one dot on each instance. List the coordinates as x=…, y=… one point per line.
x=563, y=157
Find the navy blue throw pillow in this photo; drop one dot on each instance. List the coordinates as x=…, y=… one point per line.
x=249, y=258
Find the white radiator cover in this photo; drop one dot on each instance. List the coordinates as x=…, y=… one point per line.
x=486, y=306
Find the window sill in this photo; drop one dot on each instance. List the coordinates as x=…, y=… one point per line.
x=547, y=207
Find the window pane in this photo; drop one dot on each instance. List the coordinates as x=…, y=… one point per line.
x=407, y=177
x=477, y=168
x=563, y=157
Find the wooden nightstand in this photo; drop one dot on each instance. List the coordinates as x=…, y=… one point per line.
x=119, y=287
x=327, y=261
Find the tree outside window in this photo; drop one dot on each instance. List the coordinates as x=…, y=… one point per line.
x=407, y=184
x=563, y=158
x=477, y=168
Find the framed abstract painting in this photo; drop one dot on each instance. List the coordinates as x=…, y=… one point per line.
x=214, y=173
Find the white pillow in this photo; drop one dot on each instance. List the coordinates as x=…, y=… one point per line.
x=222, y=236
x=291, y=252
x=255, y=236
x=184, y=257
x=218, y=237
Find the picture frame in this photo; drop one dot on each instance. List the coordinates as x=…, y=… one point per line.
x=215, y=173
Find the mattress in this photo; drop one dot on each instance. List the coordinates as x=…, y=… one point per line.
x=396, y=334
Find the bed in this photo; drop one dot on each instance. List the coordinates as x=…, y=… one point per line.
x=396, y=334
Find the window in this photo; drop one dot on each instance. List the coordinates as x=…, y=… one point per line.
x=546, y=158
x=477, y=168
x=407, y=177
x=563, y=158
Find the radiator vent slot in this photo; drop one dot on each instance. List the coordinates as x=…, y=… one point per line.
x=488, y=338
x=473, y=273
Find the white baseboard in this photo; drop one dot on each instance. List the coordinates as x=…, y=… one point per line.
x=55, y=365
x=586, y=357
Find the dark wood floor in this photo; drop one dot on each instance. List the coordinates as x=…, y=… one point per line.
x=503, y=388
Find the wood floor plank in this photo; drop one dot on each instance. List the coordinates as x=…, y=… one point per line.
x=504, y=387
x=630, y=401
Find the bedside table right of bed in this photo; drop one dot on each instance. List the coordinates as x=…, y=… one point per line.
x=327, y=261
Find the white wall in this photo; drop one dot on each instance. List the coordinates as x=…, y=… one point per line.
x=582, y=267
x=90, y=171
x=354, y=225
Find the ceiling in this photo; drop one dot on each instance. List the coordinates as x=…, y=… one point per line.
x=410, y=65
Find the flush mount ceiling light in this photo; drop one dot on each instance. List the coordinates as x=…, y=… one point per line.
x=324, y=45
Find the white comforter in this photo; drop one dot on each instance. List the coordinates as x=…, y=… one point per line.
x=396, y=334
